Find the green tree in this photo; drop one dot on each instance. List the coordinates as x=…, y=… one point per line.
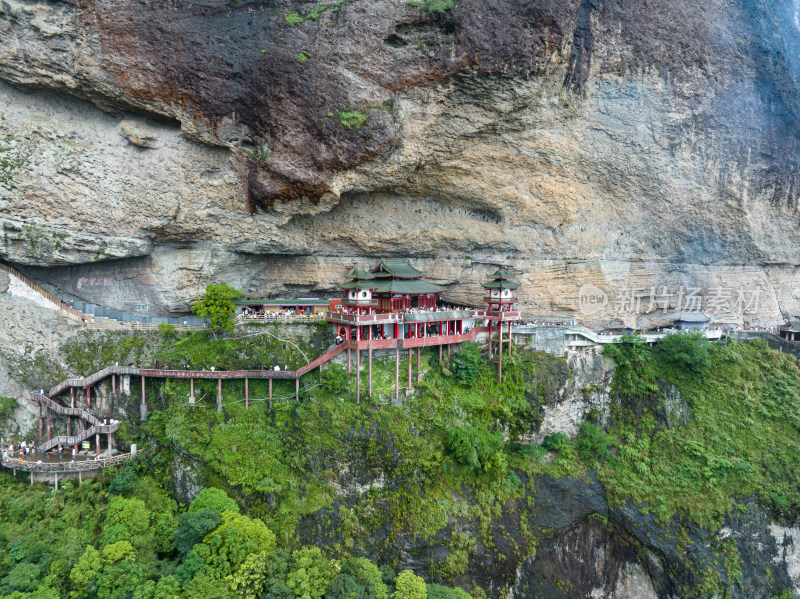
x=250, y=579
x=438, y=591
x=86, y=571
x=24, y=577
x=127, y=519
x=687, y=351
x=410, y=586
x=213, y=499
x=368, y=575
x=193, y=527
x=204, y=586
x=217, y=307
x=473, y=446
x=311, y=573
x=335, y=379
x=7, y=405
x=465, y=363
x=225, y=549
x=167, y=587
x=345, y=586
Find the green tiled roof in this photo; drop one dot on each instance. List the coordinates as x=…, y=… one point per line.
x=406, y=286
x=358, y=273
x=401, y=270
x=360, y=284
x=502, y=279
x=501, y=273
x=429, y=316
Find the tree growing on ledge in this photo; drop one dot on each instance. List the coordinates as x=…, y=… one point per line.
x=217, y=307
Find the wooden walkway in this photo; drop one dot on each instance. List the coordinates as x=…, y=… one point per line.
x=78, y=465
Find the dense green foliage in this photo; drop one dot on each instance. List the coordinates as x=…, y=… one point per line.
x=433, y=6
x=217, y=307
x=745, y=395
x=454, y=448
x=53, y=549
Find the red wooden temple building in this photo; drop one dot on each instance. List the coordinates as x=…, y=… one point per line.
x=392, y=306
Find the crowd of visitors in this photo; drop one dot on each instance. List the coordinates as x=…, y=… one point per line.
x=253, y=314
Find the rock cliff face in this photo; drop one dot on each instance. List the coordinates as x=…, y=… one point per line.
x=626, y=144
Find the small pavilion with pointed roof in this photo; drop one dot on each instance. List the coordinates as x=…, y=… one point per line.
x=501, y=289
x=359, y=289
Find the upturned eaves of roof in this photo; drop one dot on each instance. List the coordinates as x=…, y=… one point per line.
x=359, y=273
x=407, y=286
x=504, y=284
x=360, y=284
x=401, y=270
x=501, y=273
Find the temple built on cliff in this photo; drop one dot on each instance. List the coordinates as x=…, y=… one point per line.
x=392, y=306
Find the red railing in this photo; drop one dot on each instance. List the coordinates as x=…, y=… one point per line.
x=363, y=319
x=494, y=314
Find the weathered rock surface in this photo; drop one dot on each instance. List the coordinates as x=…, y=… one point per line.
x=31, y=325
x=585, y=390
x=617, y=144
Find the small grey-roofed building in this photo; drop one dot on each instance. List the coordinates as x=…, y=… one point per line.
x=791, y=330
x=690, y=319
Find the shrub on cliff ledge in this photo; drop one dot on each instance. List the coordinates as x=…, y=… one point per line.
x=352, y=119
x=688, y=351
x=217, y=307
x=433, y=6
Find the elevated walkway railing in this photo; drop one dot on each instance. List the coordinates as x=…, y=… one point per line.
x=91, y=379
x=100, y=429
x=59, y=409
x=83, y=465
x=328, y=355
x=103, y=323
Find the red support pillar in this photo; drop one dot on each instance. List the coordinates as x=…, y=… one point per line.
x=97, y=442
x=509, y=339
x=88, y=398
x=72, y=397
x=419, y=365
x=440, y=353
x=191, y=387
x=270, y=393
x=246, y=393
x=40, y=421
x=219, y=395
x=409, y=367
x=358, y=376
x=297, y=389
x=370, y=370
x=48, y=424
x=397, y=370
x=500, y=353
